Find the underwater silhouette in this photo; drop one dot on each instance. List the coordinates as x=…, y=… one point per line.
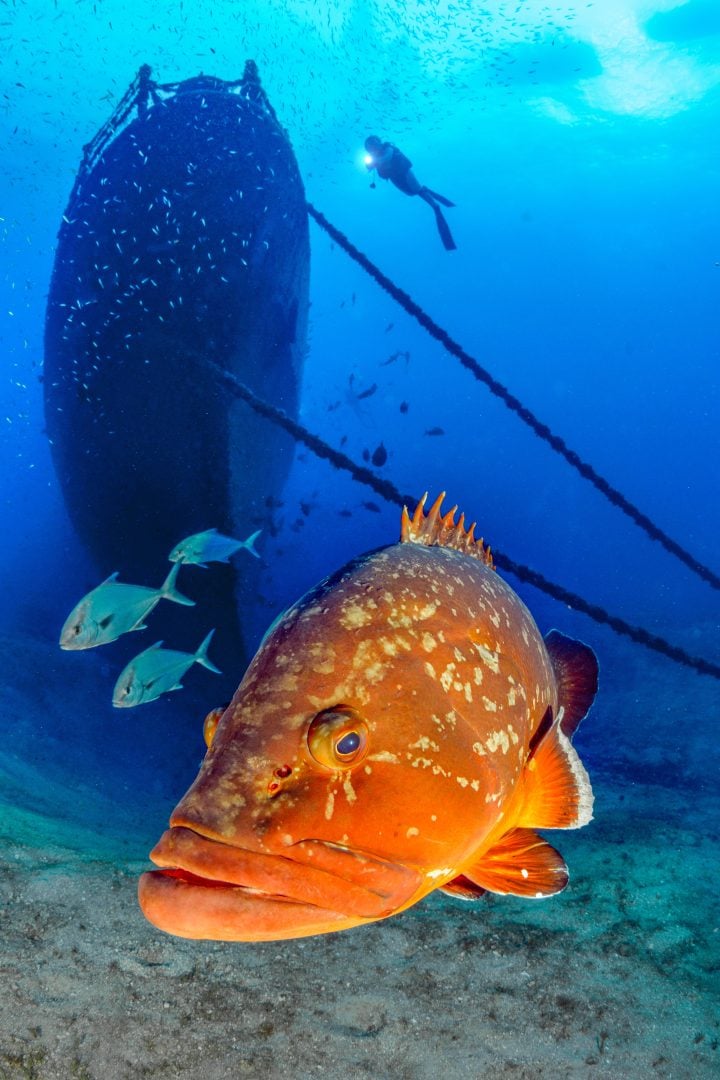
x=391, y=164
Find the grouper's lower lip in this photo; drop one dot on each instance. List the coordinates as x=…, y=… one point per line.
x=209, y=889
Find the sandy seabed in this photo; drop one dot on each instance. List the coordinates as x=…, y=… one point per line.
x=619, y=977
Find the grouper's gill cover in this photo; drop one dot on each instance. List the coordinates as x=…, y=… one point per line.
x=403, y=728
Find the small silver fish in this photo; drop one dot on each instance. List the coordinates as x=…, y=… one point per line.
x=156, y=671
x=211, y=546
x=113, y=608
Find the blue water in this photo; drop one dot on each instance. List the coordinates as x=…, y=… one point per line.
x=579, y=144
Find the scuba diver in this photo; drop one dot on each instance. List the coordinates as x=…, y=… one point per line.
x=391, y=164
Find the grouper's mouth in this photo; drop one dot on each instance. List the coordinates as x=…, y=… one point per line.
x=210, y=889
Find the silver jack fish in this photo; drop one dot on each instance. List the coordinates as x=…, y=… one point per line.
x=211, y=546
x=156, y=671
x=114, y=608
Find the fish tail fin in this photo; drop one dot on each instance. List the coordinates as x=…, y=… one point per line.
x=201, y=656
x=168, y=590
x=249, y=544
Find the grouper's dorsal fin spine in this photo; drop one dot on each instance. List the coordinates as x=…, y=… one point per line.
x=434, y=529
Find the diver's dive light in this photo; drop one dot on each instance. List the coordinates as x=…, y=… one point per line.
x=369, y=160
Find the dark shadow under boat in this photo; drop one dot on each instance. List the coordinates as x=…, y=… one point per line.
x=185, y=238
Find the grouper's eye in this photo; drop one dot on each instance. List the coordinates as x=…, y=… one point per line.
x=211, y=722
x=338, y=737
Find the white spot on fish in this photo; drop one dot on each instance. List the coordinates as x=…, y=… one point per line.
x=427, y=611
x=354, y=616
x=498, y=739
x=424, y=743
x=375, y=673
x=386, y=756
x=446, y=679
x=311, y=612
x=490, y=659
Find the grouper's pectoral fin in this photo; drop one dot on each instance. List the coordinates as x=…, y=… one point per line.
x=462, y=888
x=521, y=863
x=554, y=788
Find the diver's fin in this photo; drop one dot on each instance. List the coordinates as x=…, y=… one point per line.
x=444, y=230
x=555, y=789
x=576, y=671
x=168, y=590
x=462, y=888
x=441, y=198
x=201, y=656
x=520, y=864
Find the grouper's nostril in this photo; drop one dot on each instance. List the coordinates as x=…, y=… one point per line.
x=275, y=786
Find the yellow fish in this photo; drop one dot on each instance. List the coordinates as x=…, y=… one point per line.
x=403, y=728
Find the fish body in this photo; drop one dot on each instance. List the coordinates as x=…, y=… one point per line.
x=379, y=456
x=403, y=728
x=211, y=546
x=114, y=608
x=156, y=671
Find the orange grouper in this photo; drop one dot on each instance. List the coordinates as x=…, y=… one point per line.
x=402, y=728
